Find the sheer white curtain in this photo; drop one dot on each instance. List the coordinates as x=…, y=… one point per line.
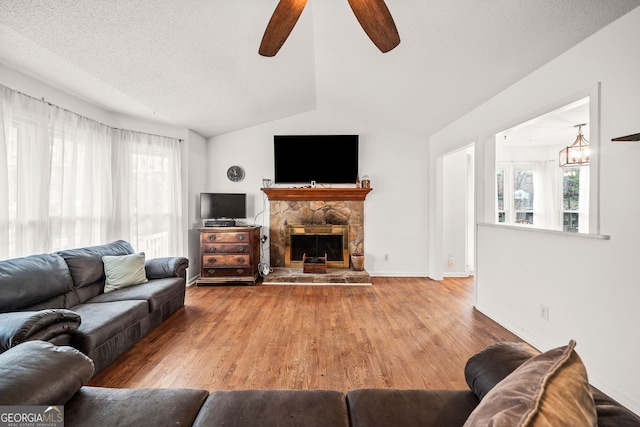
x=149, y=204
x=60, y=188
x=546, y=212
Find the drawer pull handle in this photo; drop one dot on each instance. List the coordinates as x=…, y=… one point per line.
x=212, y=237
x=240, y=259
x=213, y=249
x=240, y=236
x=240, y=248
x=212, y=261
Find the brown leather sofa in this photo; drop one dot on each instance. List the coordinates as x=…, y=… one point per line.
x=59, y=297
x=499, y=377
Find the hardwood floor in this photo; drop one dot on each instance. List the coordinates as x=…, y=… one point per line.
x=398, y=333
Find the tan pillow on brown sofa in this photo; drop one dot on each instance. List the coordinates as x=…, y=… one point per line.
x=550, y=389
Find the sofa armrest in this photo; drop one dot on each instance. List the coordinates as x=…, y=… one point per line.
x=493, y=364
x=159, y=268
x=20, y=326
x=40, y=373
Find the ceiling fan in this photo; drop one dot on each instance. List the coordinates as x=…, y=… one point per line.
x=373, y=15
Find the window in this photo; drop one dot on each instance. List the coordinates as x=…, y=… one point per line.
x=515, y=206
x=531, y=187
x=571, y=199
x=68, y=181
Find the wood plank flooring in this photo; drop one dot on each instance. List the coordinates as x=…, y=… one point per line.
x=398, y=333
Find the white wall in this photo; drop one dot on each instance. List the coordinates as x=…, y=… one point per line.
x=589, y=285
x=395, y=220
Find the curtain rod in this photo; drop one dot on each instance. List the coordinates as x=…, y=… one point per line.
x=85, y=117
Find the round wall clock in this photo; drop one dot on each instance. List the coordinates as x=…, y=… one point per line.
x=235, y=173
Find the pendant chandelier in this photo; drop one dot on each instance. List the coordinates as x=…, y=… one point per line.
x=578, y=153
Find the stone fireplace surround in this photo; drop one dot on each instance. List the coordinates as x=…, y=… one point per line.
x=314, y=206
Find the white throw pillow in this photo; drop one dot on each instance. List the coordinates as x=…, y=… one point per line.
x=124, y=270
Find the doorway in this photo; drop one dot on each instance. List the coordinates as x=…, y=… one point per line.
x=458, y=205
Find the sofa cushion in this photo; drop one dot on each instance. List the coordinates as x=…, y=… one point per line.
x=31, y=280
x=123, y=270
x=85, y=264
x=156, y=292
x=550, y=389
x=40, y=373
x=102, y=321
x=283, y=408
x=488, y=367
x=94, y=406
x=425, y=408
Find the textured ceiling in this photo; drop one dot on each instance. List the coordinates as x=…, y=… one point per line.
x=194, y=63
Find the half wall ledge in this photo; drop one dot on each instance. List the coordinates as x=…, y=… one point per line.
x=310, y=193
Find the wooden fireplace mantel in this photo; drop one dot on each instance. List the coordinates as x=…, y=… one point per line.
x=317, y=193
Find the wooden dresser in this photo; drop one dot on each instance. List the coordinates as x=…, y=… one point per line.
x=229, y=255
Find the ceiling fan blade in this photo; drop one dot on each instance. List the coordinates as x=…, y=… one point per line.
x=282, y=21
x=376, y=20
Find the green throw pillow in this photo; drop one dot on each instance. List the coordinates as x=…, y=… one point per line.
x=549, y=390
x=124, y=270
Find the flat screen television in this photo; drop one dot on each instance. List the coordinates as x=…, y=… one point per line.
x=325, y=159
x=223, y=205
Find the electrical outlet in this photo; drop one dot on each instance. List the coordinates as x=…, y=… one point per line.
x=544, y=312
x=451, y=261
x=386, y=257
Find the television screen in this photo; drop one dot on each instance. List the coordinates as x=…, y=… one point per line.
x=223, y=205
x=326, y=159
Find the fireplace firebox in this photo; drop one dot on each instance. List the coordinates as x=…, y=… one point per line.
x=317, y=241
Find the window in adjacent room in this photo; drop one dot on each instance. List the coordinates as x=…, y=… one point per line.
x=531, y=189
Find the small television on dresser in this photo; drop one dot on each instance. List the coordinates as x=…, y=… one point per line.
x=325, y=159
x=222, y=209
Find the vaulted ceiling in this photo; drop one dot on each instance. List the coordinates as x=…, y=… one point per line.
x=195, y=63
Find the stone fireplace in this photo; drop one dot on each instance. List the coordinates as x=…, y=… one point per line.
x=315, y=211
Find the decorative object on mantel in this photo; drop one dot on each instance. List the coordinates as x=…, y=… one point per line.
x=357, y=261
x=628, y=138
x=317, y=265
x=318, y=193
x=366, y=182
x=266, y=182
x=578, y=153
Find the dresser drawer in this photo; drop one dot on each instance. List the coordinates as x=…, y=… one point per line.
x=227, y=248
x=231, y=237
x=218, y=261
x=226, y=272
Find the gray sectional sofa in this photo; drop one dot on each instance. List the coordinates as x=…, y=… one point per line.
x=59, y=297
x=509, y=385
